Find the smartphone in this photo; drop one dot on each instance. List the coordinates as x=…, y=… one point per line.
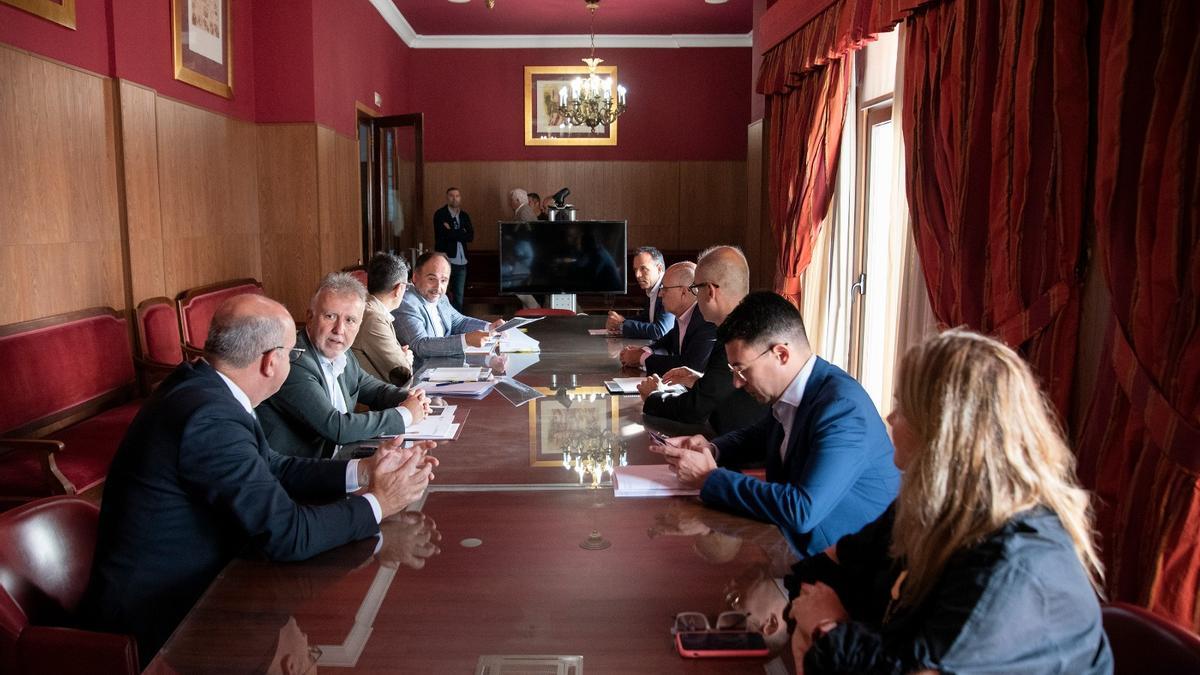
x=657, y=437
x=715, y=644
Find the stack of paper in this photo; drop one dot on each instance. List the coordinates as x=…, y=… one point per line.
x=516, y=341
x=648, y=480
x=435, y=427
x=460, y=389
x=598, y=331
x=468, y=374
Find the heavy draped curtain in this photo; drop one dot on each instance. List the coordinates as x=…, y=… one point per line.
x=805, y=79
x=996, y=115
x=1140, y=441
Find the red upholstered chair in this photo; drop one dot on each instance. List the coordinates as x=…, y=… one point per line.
x=46, y=550
x=534, y=312
x=1143, y=642
x=159, y=346
x=197, y=306
x=358, y=272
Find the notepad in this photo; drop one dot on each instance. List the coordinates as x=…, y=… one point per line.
x=598, y=331
x=623, y=385
x=459, y=389
x=649, y=480
x=449, y=374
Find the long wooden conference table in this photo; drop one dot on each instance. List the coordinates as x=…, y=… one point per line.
x=509, y=565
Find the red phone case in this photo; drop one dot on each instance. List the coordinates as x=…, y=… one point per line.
x=715, y=653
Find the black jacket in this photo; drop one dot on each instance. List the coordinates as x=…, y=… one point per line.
x=1018, y=602
x=712, y=399
x=446, y=238
x=697, y=345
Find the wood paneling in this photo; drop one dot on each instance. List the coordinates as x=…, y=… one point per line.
x=60, y=238
x=139, y=139
x=287, y=202
x=668, y=204
x=757, y=226
x=208, y=196
x=339, y=211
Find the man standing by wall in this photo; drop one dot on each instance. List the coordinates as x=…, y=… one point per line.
x=452, y=230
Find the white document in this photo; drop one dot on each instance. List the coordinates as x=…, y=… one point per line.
x=516, y=322
x=516, y=341
x=648, y=480
x=598, y=331
x=456, y=388
x=457, y=374
x=623, y=385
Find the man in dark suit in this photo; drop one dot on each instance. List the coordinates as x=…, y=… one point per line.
x=648, y=267
x=313, y=413
x=707, y=398
x=452, y=231
x=827, y=452
x=195, y=482
x=689, y=342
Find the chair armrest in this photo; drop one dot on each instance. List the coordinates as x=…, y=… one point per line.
x=44, y=649
x=56, y=482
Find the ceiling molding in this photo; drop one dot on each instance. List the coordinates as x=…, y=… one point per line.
x=391, y=14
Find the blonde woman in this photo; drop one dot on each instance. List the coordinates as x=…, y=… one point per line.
x=985, y=562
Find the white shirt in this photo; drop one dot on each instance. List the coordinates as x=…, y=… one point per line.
x=435, y=318
x=784, y=409
x=332, y=369
x=653, y=293
x=351, y=466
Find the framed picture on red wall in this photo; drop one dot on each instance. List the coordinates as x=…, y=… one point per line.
x=61, y=12
x=203, y=50
x=545, y=124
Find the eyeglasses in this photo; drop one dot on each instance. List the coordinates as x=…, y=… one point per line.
x=740, y=371
x=695, y=622
x=694, y=289
x=294, y=353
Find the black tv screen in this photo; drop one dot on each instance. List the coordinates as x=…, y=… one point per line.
x=574, y=256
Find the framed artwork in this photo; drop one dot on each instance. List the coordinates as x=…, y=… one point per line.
x=203, y=50
x=61, y=12
x=543, y=127
x=553, y=420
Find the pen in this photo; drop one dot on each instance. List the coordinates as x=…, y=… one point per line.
x=442, y=384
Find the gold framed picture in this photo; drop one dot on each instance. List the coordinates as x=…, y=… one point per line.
x=202, y=45
x=554, y=419
x=61, y=12
x=545, y=126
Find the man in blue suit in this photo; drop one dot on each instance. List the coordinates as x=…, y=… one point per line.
x=648, y=268
x=195, y=483
x=827, y=452
x=425, y=320
x=689, y=343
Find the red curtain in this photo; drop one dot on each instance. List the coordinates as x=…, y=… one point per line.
x=1140, y=441
x=805, y=79
x=995, y=125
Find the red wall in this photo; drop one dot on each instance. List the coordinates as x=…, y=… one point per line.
x=684, y=104
x=283, y=61
x=86, y=46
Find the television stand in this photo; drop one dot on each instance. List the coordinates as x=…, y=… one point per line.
x=563, y=301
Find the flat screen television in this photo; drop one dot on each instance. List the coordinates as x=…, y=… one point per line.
x=574, y=256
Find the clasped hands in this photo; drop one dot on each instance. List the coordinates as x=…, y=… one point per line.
x=417, y=404
x=398, y=476
x=683, y=376
x=689, y=456
x=409, y=538
x=613, y=323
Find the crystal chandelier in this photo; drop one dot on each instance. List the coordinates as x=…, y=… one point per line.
x=590, y=102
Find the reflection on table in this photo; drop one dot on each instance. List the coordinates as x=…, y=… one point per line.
x=502, y=558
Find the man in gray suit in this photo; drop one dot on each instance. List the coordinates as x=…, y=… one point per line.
x=426, y=321
x=313, y=412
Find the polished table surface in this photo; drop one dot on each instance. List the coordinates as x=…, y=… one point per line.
x=493, y=564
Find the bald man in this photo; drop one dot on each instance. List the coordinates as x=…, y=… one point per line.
x=710, y=400
x=690, y=340
x=195, y=482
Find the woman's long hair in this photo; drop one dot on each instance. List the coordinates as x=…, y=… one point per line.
x=987, y=448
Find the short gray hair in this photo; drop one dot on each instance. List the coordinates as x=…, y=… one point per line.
x=518, y=195
x=241, y=339
x=655, y=255
x=339, y=283
x=384, y=271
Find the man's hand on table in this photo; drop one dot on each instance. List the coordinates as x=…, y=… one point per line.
x=682, y=376
x=613, y=323
x=649, y=386
x=631, y=356
x=417, y=404
x=476, y=338
x=400, y=475
x=690, y=457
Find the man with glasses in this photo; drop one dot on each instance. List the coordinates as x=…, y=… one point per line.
x=313, y=413
x=195, y=483
x=710, y=401
x=378, y=350
x=827, y=452
x=689, y=342
x=648, y=266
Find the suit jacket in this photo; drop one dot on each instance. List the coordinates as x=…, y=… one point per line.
x=525, y=213
x=414, y=326
x=837, y=474
x=666, y=352
x=193, y=484
x=649, y=330
x=447, y=239
x=712, y=399
x=300, y=419
x=376, y=347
